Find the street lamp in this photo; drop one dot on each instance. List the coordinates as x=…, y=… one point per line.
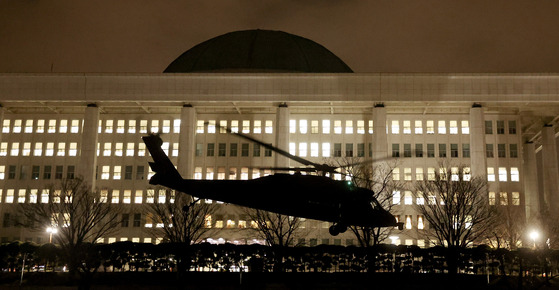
x=51, y=231
x=534, y=235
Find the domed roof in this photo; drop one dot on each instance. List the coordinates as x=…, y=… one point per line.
x=258, y=51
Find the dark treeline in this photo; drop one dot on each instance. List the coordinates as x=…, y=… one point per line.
x=139, y=257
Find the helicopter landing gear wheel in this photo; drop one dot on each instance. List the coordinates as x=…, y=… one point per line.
x=336, y=229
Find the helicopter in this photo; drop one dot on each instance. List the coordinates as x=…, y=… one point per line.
x=317, y=197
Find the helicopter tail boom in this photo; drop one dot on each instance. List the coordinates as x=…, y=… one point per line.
x=165, y=171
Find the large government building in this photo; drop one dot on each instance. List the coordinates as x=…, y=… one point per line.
x=284, y=90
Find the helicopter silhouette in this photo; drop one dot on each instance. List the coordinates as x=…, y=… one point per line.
x=307, y=196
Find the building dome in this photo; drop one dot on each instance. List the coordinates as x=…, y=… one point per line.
x=258, y=51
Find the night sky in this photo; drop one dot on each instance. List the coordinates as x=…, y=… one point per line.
x=369, y=35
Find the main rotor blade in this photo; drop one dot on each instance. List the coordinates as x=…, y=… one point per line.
x=296, y=169
x=268, y=146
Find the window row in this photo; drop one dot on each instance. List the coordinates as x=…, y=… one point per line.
x=442, y=127
x=236, y=126
x=39, y=149
x=36, y=172
x=500, y=127
x=41, y=126
x=232, y=150
x=408, y=198
x=327, y=149
x=501, y=150
x=408, y=174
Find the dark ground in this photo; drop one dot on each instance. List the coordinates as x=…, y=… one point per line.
x=273, y=281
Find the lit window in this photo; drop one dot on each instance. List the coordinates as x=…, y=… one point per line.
x=118, y=149
x=166, y=126
x=63, y=126
x=150, y=196
x=246, y=127
x=292, y=148
x=325, y=149
x=467, y=175
x=244, y=173
x=120, y=126
x=419, y=173
x=502, y=174
x=17, y=126
x=314, y=149
x=75, y=126
x=503, y=198
x=337, y=127
x=138, y=195
x=26, y=149
x=130, y=149
x=396, y=197
x=407, y=173
x=143, y=126
x=2, y=175
x=61, y=149
x=104, y=196
x=222, y=126
x=269, y=129
x=132, y=126
x=73, y=151
x=442, y=127
x=420, y=226
x=28, y=126
x=176, y=126
x=349, y=127
x=314, y=127
x=235, y=126
x=44, y=196
x=453, y=127
x=303, y=149
x=431, y=173
x=108, y=126
x=175, y=149
x=431, y=198
x=107, y=149
x=396, y=174
x=10, y=196
x=257, y=127
x=209, y=173
x=360, y=127
x=3, y=148
x=211, y=126
x=105, y=172
x=395, y=127
x=52, y=126
x=255, y=173
x=165, y=147
x=490, y=174
x=292, y=126
x=515, y=198
x=420, y=200
x=371, y=127
x=6, y=126
x=127, y=196
x=454, y=174
x=325, y=126
x=162, y=196
x=303, y=126
x=465, y=127
x=232, y=173
x=407, y=127
x=15, y=149
x=141, y=149
x=115, y=197
x=50, y=149
x=408, y=198
x=21, y=196
x=514, y=174
x=221, y=173
x=154, y=126
x=430, y=127
x=198, y=173
x=117, y=172
x=408, y=223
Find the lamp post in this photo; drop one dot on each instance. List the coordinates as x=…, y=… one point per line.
x=534, y=235
x=51, y=231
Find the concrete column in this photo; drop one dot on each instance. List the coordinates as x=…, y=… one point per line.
x=550, y=169
x=282, y=135
x=187, y=142
x=380, y=138
x=477, y=142
x=88, y=151
x=530, y=181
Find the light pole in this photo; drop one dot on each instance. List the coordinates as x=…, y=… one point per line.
x=534, y=235
x=51, y=231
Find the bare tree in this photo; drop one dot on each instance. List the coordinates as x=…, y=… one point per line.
x=456, y=209
x=509, y=232
x=80, y=215
x=379, y=179
x=276, y=229
x=182, y=218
